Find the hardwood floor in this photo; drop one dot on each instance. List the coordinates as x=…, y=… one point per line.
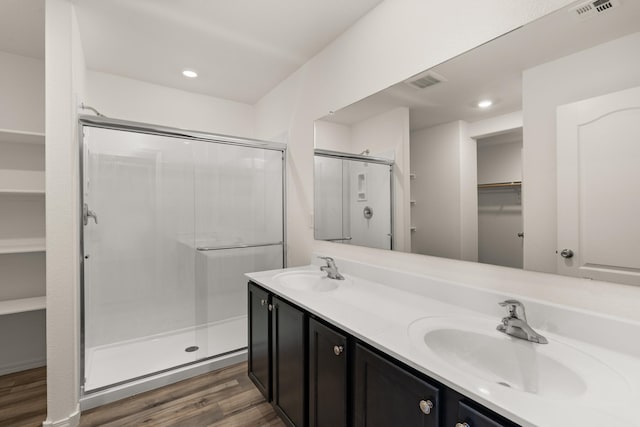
x=222, y=398
x=23, y=398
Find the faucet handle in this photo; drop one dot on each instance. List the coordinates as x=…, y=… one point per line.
x=328, y=259
x=513, y=305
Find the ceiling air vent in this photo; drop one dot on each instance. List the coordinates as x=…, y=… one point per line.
x=592, y=8
x=425, y=80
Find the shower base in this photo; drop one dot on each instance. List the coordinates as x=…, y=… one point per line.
x=114, y=364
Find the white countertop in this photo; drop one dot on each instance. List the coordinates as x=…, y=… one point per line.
x=380, y=314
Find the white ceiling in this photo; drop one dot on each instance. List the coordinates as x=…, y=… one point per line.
x=22, y=27
x=494, y=70
x=240, y=48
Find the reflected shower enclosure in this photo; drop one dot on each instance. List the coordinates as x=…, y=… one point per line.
x=353, y=199
x=171, y=222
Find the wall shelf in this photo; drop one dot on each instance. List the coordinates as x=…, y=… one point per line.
x=22, y=137
x=20, y=191
x=21, y=246
x=501, y=184
x=22, y=305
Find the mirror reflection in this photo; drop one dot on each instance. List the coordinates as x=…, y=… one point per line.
x=513, y=153
x=353, y=199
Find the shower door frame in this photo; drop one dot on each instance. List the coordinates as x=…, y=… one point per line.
x=152, y=129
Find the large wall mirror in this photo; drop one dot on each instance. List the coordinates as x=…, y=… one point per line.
x=523, y=152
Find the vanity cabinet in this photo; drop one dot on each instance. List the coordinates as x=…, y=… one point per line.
x=277, y=353
x=317, y=375
x=388, y=395
x=328, y=376
x=471, y=417
x=259, y=360
x=288, y=338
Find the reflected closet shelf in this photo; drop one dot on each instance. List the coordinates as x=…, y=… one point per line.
x=22, y=137
x=22, y=305
x=501, y=184
x=21, y=246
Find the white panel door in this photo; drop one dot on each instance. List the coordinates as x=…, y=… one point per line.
x=599, y=187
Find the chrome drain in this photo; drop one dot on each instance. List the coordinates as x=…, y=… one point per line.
x=191, y=349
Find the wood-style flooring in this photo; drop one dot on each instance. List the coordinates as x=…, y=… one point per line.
x=222, y=398
x=23, y=398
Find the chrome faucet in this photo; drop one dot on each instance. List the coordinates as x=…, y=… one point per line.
x=330, y=268
x=516, y=325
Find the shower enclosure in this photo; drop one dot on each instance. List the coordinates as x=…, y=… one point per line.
x=353, y=199
x=171, y=222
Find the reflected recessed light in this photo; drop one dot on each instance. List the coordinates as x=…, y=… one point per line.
x=485, y=103
x=190, y=73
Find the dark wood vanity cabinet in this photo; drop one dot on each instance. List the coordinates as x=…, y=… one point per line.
x=316, y=375
x=387, y=395
x=328, y=376
x=288, y=339
x=259, y=346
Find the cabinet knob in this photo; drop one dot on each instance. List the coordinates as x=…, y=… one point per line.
x=263, y=302
x=337, y=350
x=270, y=307
x=462, y=425
x=426, y=406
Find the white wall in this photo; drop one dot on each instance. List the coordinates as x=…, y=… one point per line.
x=579, y=76
x=332, y=136
x=500, y=161
x=129, y=99
x=64, y=88
x=21, y=93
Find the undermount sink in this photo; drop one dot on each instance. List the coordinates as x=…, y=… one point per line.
x=310, y=281
x=473, y=346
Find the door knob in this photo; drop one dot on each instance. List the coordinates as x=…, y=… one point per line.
x=566, y=253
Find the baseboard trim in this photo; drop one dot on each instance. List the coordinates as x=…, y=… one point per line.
x=23, y=365
x=72, y=420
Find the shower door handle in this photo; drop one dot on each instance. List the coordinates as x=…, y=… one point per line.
x=88, y=213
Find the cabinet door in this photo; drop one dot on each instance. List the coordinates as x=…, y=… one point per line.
x=327, y=376
x=259, y=346
x=386, y=395
x=289, y=362
x=470, y=417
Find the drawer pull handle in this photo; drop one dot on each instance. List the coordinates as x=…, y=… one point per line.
x=426, y=406
x=337, y=350
x=462, y=425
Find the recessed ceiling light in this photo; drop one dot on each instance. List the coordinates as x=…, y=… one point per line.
x=485, y=103
x=190, y=73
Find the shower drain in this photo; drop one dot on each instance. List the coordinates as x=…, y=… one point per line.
x=191, y=349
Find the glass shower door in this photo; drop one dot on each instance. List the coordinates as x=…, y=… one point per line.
x=139, y=267
x=239, y=229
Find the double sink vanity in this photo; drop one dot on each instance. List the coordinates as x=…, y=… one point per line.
x=364, y=345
